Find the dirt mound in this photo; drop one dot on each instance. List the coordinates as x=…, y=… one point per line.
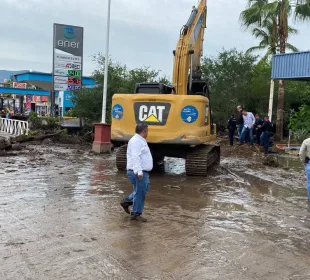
x=271, y=161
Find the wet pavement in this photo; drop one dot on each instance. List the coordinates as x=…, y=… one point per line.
x=60, y=218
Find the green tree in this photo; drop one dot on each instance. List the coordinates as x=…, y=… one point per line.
x=278, y=11
x=301, y=119
x=232, y=77
x=269, y=40
x=258, y=96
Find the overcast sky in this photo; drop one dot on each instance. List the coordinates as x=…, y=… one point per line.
x=143, y=32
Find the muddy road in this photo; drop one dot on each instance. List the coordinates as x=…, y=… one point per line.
x=60, y=218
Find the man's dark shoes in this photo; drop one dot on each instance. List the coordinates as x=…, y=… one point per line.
x=125, y=206
x=138, y=218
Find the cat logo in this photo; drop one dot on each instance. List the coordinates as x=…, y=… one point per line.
x=152, y=113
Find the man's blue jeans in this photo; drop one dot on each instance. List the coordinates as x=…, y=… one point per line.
x=244, y=132
x=262, y=143
x=308, y=178
x=140, y=188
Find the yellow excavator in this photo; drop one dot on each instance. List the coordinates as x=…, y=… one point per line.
x=179, y=117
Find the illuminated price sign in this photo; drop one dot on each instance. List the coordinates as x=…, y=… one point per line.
x=76, y=81
x=72, y=87
x=75, y=66
x=74, y=73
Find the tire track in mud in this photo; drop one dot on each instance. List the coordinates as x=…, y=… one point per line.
x=282, y=192
x=63, y=264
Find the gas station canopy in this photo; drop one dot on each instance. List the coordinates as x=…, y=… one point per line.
x=44, y=80
x=21, y=91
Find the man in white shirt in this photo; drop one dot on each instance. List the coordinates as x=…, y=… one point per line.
x=304, y=155
x=248, y=127
x=139, y=164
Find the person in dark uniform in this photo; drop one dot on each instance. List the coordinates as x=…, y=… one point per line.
x=258, y=128
x=232, y=125
x=266, y=133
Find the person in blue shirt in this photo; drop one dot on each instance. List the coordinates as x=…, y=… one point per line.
x=248, y=127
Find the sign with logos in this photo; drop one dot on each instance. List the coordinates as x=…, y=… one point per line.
x=60, y=87
x=67, y=57
x=152, y=113
x=36, y=98
x=67, y=80
x=117, y=112
x=189, y=114
x=41, y=104
x=65, y=87
x=67, y=65
x=60, y=72
x=19, y=85
x=60, y=80
x=28, y=102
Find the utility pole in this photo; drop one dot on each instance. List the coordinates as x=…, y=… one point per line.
x=102, y=139
x=106, y=67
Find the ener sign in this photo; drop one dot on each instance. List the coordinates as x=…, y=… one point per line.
x=67, y=57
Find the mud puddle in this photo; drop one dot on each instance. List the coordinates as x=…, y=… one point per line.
x=60, y=219
x=290, y=162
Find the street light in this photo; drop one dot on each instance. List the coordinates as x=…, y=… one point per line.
x=102, y=137
x=105, y=83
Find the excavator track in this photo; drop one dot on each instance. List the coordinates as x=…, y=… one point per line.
x=121, y=158
x=158, y=164
x=200, y=159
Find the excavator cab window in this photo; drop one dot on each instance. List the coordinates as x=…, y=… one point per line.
x=153, y=88
x=198, y=88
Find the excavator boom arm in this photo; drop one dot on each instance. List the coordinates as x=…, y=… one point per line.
x=189, y=50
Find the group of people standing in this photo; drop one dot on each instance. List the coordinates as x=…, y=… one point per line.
x=6, y=113
x=247, y=126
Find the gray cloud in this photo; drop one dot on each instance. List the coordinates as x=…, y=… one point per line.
x=143, y=32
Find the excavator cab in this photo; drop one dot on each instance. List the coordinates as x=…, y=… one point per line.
x=153, y=88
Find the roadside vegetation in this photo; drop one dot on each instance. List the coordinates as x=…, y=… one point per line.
x=235, y=78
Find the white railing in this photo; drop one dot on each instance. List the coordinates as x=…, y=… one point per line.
x=14, y=127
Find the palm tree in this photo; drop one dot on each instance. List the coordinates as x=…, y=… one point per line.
x=269, y=39
x=279, y=11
